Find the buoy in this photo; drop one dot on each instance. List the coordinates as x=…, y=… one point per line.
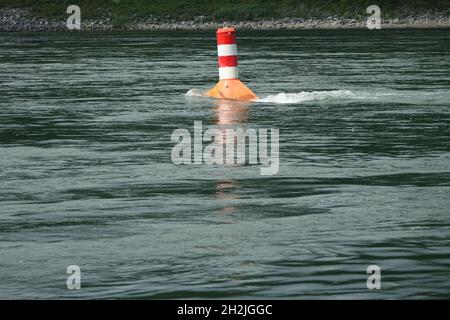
x=229, y=86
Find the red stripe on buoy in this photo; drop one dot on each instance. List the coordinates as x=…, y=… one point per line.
x=226, y=36
x=228, y=61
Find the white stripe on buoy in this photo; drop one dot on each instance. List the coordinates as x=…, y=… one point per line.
x=227, y=50
x=228, y=73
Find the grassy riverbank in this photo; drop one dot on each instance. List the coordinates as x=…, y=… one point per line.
x=123, y=10
x=137, y=15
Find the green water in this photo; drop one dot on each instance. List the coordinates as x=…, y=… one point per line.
x=87, y=179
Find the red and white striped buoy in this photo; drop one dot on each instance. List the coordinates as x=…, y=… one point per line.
x=227, y=52
x=229, y=86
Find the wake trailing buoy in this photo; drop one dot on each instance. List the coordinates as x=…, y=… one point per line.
x=229, y=85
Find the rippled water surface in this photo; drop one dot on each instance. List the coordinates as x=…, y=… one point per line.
x=87, y=179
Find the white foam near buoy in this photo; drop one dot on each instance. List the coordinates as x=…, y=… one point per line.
x=285, y=98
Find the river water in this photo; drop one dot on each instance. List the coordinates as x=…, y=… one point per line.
x=87, y=178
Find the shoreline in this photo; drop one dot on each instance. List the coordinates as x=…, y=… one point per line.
x=19, y=20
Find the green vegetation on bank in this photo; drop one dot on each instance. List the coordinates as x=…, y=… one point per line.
x=123, y=10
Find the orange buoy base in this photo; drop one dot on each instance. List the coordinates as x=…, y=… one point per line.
x=231, y=89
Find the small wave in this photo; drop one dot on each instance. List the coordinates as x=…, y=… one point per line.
x=195, y=93
x=285, y=98
x=306, y=96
